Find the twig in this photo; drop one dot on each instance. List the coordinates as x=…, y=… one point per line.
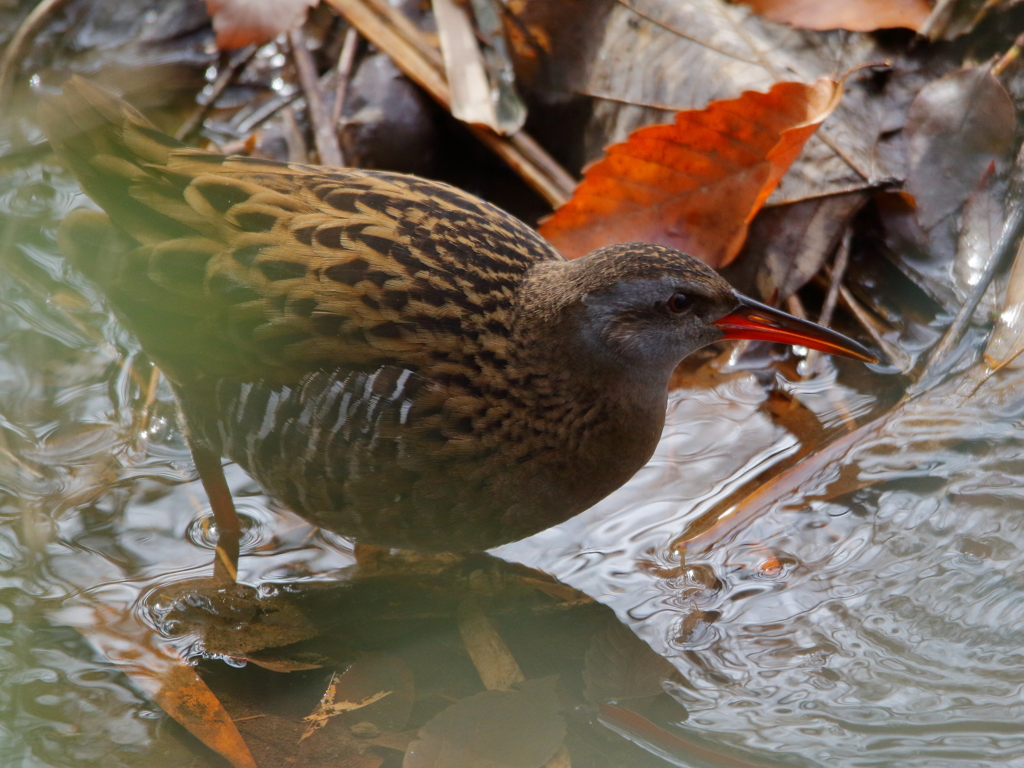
x=835, y=281
x=343, y=76
x=230, y=65
x=1009, y=57
x=266, y=111
x=324, y=133
x=20, y=43
x=409, y=50
x=838, y=271
x=293, y=137
x=935, y=25
x=893, y=353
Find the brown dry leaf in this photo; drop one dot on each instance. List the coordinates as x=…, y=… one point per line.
x=854, y=15
x=956, y=126
x=791, y=242
x=696, y=184
x=520, y=728
x=239, y=23
x=156, y=669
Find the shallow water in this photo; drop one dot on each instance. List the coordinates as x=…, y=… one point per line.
x=879, y=627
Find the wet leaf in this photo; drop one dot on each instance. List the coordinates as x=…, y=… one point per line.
x=855, y=15
x=157, y=669
x=239, y=23
x=520, y=728
x=509, y=109
x=1007, y=340
x=979, y=232
x=956, y=126
x=696, y=184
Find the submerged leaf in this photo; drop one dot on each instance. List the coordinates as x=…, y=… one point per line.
x=330, y=706
x=956, y=126
x=694, y=185
x=855, y=15
x=520, y=728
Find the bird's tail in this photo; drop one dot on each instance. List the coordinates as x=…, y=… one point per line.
x=112, y=149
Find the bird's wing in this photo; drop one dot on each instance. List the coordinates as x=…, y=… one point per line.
x=231, y=266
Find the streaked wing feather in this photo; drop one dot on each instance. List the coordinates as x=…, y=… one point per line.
x=277, y=269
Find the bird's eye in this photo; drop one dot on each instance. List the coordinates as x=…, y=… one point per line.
x=679, y=302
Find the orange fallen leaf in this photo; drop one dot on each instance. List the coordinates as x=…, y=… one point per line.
x=239, y=23
x=854, y=15
x=696, y=184
x=159, y=672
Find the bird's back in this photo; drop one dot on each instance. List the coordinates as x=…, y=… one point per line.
x=262, y=271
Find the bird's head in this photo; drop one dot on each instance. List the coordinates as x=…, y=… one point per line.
x=646, y=307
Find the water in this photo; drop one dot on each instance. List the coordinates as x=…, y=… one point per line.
x=881, y=626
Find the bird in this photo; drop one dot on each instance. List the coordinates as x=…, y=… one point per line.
x=396, y=360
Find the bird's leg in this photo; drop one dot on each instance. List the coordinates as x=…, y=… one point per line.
x=229, y=531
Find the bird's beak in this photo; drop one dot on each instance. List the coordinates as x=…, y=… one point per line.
x=759, y=322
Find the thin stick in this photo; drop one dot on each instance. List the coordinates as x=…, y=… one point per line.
x=266, y=111
x=324, y=135
x=838, y=271
x=829, y=307
x=343, y=76
x=1009, y=57
x=230, y=67
x=293, y=137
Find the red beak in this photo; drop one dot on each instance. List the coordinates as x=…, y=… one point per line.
x=759, y=322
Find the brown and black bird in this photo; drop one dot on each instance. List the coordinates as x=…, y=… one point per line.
x=396, y=360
